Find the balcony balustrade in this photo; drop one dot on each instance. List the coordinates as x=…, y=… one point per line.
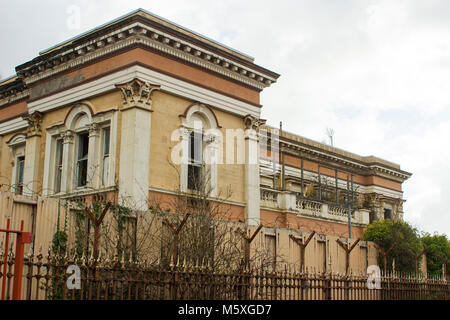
x=292, y=202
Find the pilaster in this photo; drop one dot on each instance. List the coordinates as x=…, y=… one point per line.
x=252, y=193
x=135, y=143
x=31, y=181
x=185, y=134
x=67, y=160
x=212, y=159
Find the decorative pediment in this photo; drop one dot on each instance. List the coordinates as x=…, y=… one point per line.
x=137, y=93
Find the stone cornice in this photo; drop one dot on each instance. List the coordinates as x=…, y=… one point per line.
x=366, y=168
x=139, y=33
x=12, y=91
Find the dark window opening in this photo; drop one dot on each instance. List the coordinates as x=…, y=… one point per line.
x=106, y=142
x=19, y=175
x=58, y=166
x=82, y=162
x=195, y=160
x=388, y=214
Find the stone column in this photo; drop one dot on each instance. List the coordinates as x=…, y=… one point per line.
x=135, y=143
x=32, y=184
x=213, y=145
x=252, y=192
x=185, y=134
x=94, y=169
x=67, y=162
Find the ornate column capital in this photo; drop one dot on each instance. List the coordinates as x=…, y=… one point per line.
x=67, y=137
x=184, y=133
x=253, y=123
x=212, y=139
x=137, y=93
x=94, y=129
x=34, y=124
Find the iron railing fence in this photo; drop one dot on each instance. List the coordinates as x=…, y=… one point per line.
x=45, y=278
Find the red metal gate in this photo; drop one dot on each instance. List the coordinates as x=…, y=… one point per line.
x=21, y=239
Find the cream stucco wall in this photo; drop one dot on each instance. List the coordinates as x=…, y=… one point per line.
x=165, y=120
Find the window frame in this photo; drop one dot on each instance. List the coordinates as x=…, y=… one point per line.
x=58, y=165
x=17, y=145
x=272, y=252
x=85, y=159
x=105, y=166
x=19, y=179
x=75, y=125
x=195, y=159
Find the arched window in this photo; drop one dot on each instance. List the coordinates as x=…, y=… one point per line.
x=81, y=125
x=79, y=152
x=195, y=164
x=201, y=144
x=17, y=149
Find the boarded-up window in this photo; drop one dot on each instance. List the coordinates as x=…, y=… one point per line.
x=321, y=255
x=363, y=258
x=271, y=247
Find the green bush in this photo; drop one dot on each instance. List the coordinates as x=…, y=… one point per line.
x=387, y=232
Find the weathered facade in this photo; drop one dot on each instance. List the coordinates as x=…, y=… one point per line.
x=139, y=107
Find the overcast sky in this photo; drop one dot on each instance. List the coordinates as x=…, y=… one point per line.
x=377, y=72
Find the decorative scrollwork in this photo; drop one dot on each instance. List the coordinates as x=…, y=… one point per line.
x=34, y=124
x=137, y=92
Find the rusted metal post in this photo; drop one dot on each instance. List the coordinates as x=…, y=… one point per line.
x=274, y=164
x=22, y=238
x=248, y=240
x=176, y=231
x=302, y=246
x=384, y=254
x=281, y=159
x=246, y=265
x=416, y=258
x=349, y=210
x=320, y=181
x=444, y=264
x=5, y=261
x=303, y=184
x=348, y=249
x=97, y=223
x=336, y=183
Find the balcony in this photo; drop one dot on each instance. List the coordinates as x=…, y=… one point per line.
x=288, y=201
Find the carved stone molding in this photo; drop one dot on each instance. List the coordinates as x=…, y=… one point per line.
x=67, y=136
x=94, y=129
x=137, y=93
x=158, y=40
x=185, y=133
x=253, y=123
x=34, y=124
x=213, y=139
